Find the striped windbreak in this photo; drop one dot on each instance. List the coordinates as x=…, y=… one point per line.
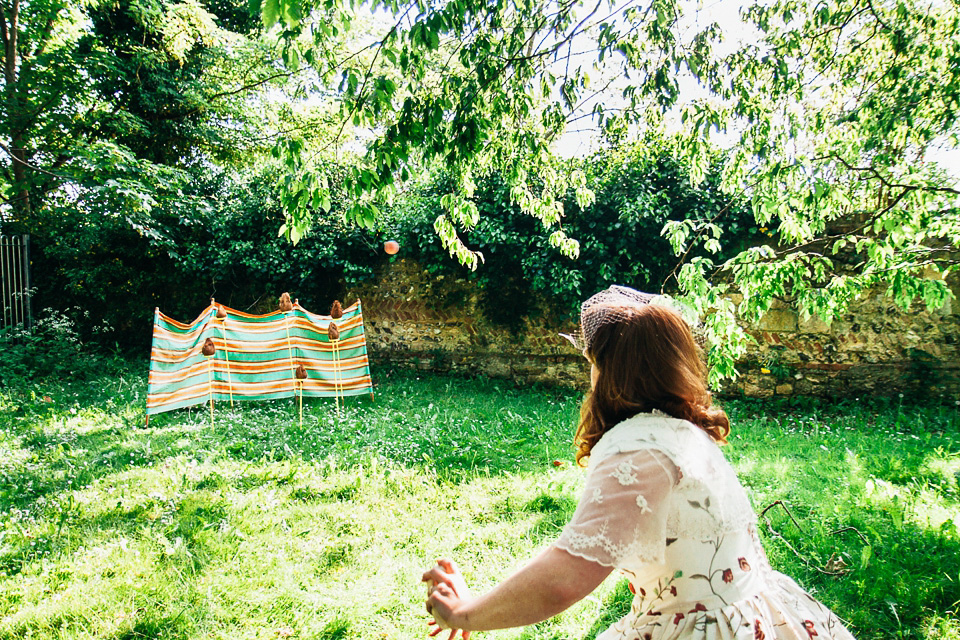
x=256, y=357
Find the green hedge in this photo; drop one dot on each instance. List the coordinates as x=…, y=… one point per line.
x=637, y=189
x=223, y=242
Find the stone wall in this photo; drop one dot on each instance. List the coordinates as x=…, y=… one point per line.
x=876, y=349
x=434, y=323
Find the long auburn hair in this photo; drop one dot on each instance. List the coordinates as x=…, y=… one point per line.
x=646, y=359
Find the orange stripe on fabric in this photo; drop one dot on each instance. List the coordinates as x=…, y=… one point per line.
x=254, y=389
x=203, y=314
x=239, y=346
x=247, y=368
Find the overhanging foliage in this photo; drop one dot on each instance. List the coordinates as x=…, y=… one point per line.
x=836, y=107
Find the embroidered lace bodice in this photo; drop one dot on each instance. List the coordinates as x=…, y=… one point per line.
x=662, y=505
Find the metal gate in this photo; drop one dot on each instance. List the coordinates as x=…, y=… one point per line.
x=15, y=281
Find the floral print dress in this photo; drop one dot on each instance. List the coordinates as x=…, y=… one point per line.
x=662, y=505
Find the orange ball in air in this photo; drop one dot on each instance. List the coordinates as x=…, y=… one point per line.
x=391, y=247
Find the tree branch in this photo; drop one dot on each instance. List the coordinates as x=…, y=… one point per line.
x=886, y=183
x=24, y=163
x=779, y=535
x=879, y=19
x=252, y=85
x=366, y=76
x=683, y=258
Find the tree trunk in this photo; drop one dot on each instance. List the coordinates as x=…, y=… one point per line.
x=10, y=30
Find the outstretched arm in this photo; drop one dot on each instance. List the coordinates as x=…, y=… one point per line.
x=624, y=506
x=548, y=584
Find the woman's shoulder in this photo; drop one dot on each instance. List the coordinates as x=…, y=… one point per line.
x=709, y=498
x=654, y=430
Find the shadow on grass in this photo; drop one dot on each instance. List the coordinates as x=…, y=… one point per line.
x=615, y=606
x=189, y=531
x=64, y=465
x=149, y=624
x=461, y=427
x=337, y=629
x=885, y=587
x=462, y=431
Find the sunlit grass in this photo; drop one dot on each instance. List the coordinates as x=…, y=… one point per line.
x=258, y=527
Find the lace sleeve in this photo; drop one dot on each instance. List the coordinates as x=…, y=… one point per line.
x=623, y=511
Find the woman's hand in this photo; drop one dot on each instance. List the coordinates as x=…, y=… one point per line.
x=447, y=594
x=547, y=585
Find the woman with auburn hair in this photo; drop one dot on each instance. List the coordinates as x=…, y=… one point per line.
x=661, y=504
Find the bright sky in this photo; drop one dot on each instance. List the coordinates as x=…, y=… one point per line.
x=583, y=138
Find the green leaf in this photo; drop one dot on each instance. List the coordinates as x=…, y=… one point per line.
x=271, y=12
x=290, y=10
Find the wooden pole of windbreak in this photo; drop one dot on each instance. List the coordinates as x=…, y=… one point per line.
x=210, y=357
x=361, y=319
x=343, y=397
x=156, y=316
x=226, y=356
x=333, y=337
x=210, y=386
x=286, y=324
x=226, y=345
x=336, y=373
x=293, y=370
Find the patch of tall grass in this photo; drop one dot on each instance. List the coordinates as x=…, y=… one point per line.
x=258, y=527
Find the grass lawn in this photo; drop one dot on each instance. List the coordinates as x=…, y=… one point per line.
x=256, y=527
